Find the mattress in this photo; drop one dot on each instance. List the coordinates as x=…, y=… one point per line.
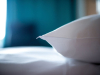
x=41, y=61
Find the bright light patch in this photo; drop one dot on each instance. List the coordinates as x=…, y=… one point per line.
x=98, y=6
x=3, y=8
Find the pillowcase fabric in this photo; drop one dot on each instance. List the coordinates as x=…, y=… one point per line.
x=79, y=39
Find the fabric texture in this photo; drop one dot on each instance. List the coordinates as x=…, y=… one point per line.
x=41, y=61
x=79, y=39
x=31, y=61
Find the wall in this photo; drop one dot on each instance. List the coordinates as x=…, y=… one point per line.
x=81, y=11
x=48, y=14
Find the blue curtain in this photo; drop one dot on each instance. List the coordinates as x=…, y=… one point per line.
x=47, y=14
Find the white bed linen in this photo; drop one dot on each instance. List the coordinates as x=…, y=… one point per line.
x=41, y=61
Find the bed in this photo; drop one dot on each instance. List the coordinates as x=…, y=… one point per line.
x=40, y=60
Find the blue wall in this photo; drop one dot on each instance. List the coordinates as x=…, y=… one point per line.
x=48, y=14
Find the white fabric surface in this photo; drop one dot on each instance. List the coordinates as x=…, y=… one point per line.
x=41, y=61
x=79, y=39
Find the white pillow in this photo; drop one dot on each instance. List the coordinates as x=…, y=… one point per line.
x=79, y=39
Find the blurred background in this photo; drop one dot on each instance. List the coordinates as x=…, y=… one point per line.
x=22, y=21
